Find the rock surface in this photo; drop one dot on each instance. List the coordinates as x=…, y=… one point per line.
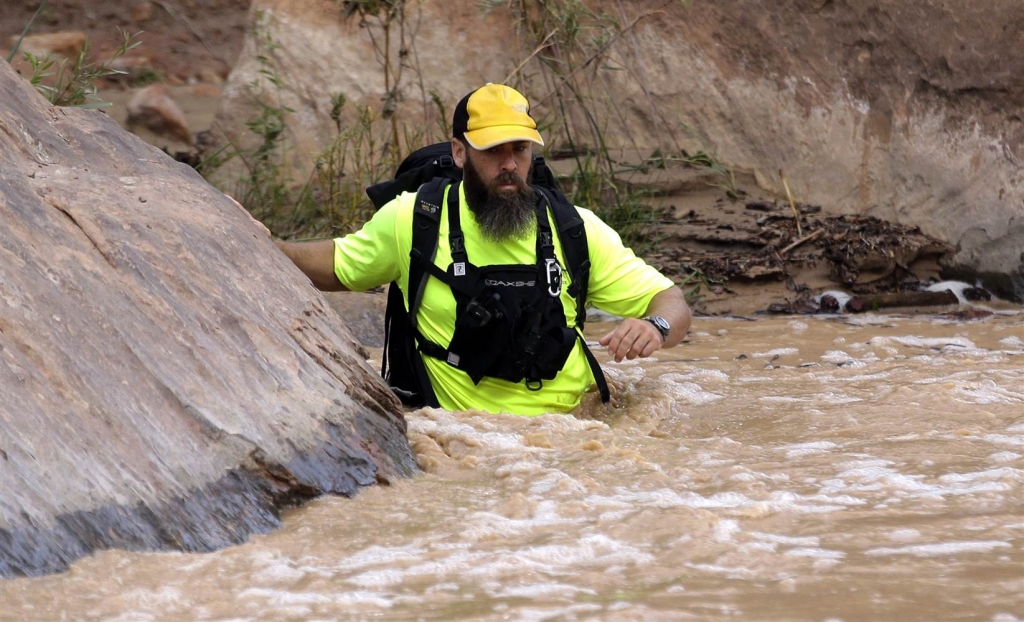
x=154, y=109
x=67, y=45
x=169, y=380
x=907, y=111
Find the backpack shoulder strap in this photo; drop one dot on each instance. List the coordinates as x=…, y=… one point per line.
x=573, y=235
x=402, y=366
x=426, y=223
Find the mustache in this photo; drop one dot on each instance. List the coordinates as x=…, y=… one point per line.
x=509, y=178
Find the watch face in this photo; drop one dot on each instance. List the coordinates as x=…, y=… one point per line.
x=660, y=323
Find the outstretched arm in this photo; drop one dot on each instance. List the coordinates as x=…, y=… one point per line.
x=634, y=337
x=316, y=260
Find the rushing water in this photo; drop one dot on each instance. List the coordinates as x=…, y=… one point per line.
x=810, y=468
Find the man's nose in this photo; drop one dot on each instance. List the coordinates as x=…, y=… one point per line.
x=508, y=160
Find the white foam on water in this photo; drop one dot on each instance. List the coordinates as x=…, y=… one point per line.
x=160, y=598
x=555, y=480
x=987, y=392
x=832, y=398
x=806, y=541
x=774, y=353
x=534, y=614
x=875, y=479
x=666, y=498
x=483, y=526
x=864, y=463
x=941, y=550
x=442, y=587
x=884, y=375
x=798, y=326
x=562, y=423
x=1005, y=456
x=521, y=468
x=758, y=547
x=753, y=379
x=815, y=553
x=838, y=357
x=812, y=504
x=785, y=399
x=902, y=438
x=691, y=393
x=729, y=571
x=379, y=578
x=1012, y=342
x=543, y=590
x=282, y=572
x=871, y=319
x=281, y=598
x=596, y=550
x=1001, y=439
x=999, y=474
x=946, y=345
x=448, y=426
x=699, y=374
x=725, y=530
x=376, y=555
x=135, y=616
x=887, y=481
x=808, y=449
x=904, y=535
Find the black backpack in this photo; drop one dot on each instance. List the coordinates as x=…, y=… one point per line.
x=428, y=171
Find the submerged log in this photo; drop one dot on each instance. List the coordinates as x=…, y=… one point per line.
x=168, y=379
x=901, y=299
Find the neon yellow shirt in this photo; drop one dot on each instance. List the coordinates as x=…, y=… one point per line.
x=620, y=284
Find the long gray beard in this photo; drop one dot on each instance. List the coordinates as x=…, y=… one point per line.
x=502, y=216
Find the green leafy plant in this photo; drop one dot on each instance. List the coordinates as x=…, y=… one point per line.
x=265, y=188
x=74, y=84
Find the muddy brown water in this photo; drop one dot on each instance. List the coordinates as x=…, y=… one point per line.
x=810, y=468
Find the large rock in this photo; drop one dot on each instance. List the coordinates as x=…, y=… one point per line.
x=907, y=110
x=168, y=379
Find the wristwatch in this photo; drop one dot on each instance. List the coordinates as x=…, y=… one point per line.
x=661, y=324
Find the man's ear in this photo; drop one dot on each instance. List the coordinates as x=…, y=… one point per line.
x=458, y=152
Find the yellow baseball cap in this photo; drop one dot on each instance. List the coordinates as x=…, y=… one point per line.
x=492, y=115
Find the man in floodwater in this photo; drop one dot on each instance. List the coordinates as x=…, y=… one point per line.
x=496, y=324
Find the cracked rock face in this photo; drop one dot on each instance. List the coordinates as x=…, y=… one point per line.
x=168, y=379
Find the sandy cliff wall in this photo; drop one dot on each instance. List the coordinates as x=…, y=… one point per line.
x=909, y=110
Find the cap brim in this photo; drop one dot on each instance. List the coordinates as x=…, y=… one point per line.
x=488, y=137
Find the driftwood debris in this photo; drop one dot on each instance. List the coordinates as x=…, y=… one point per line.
x=860, y=254
x=859, y=304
